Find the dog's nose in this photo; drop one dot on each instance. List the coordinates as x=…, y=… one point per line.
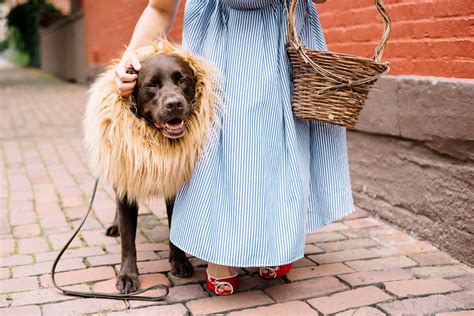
x=172, y=104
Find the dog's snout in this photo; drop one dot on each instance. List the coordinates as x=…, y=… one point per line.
x=173, y=104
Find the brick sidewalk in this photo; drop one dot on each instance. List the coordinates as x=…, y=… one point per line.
x=357, y=266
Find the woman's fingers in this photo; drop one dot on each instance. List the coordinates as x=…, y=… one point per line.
x=135, y=62
x=121, y=73
x=125, y=86
x=126, y=93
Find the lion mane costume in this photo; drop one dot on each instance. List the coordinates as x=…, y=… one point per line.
x=134, y=157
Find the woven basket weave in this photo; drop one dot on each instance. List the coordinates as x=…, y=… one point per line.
x=332, y=87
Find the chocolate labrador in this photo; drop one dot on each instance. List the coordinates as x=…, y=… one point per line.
x=163, y=95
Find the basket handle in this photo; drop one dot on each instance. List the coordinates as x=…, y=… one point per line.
x=293, y=34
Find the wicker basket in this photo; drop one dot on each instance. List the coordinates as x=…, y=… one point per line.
x=332, y=87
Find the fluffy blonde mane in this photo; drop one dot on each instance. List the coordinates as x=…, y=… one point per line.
x=135, y=158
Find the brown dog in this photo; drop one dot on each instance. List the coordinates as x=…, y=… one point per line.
x=163, y=98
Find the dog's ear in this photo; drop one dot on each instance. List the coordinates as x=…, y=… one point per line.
x=190, y=90
x=135, y=98
x=134, y=108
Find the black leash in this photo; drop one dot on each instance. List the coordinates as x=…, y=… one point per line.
x=114, y=296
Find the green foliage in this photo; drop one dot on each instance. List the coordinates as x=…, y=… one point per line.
x=3, y=45
x=19, y=55
x=24, y=21
x=20, y=58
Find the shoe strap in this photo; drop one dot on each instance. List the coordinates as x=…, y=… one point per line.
x=211, y=278
x=218, y=284
x=273, y=271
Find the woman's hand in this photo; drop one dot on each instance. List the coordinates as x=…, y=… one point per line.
x=126, y=82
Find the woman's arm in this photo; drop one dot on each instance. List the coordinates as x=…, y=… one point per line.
x=156, y=20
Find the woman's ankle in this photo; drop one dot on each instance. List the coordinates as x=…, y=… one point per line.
x=219, y=271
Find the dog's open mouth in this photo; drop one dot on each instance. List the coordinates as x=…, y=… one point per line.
x=174, y=128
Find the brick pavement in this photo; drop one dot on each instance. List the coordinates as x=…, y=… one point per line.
x=357, y=266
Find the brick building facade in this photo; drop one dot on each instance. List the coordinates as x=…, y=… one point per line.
x=432, y=38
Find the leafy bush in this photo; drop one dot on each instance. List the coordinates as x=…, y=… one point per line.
x=19, y=54
x=3, y=44
x=24, y=21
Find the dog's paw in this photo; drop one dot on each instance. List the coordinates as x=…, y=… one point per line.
x=182, y=268
x=127, y=283
x=112, y=231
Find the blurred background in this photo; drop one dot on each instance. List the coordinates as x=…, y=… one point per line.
x=412, y=152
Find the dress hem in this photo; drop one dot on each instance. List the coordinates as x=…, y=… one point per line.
x=325, y=221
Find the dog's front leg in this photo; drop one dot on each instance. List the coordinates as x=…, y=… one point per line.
x=180, y=265
x=127, y=280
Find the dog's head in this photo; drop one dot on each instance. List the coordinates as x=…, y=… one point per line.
x=164, y=94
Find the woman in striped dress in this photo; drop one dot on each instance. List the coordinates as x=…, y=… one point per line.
x=268, y=178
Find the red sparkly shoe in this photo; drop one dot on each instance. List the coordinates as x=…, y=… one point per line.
x=275, y=272
x=213, y=283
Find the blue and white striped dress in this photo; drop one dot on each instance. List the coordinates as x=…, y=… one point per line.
x=269, y=178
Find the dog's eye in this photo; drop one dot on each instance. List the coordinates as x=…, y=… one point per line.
x=153, y=83
x=183, y=81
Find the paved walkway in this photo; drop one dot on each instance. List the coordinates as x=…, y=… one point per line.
x=357, y=266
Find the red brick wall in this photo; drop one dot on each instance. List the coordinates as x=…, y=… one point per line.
x=109, y=27
x=434, y=38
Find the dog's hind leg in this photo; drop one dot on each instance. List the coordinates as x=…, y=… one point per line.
x=180, y=265
x=127, y=280
x=113, y=230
